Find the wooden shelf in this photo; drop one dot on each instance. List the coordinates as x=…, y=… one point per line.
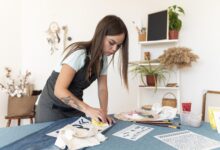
x=144, y=63
x=158, y=42
x=159, y=87
x=156, y=48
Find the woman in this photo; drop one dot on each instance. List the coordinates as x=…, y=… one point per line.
x=84, y=63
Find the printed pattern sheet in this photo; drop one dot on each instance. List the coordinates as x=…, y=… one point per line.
x=187, y=140
x=133, y=132
x=78, y=123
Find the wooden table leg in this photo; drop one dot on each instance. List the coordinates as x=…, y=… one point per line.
x=19, y=121
x=8, y=123
x=31, y=119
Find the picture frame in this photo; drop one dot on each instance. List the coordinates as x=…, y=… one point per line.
x=158, y=26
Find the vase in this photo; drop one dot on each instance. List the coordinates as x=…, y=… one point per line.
x=173, y=34
x=151, y=80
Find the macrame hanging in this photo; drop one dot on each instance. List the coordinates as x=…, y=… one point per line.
x=54, y=37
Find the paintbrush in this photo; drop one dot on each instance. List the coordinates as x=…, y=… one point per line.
x=137, y=28
x=168, y=126
x=155, y=122
x=161, y=124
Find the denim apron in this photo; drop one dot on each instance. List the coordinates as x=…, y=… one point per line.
x=51, y=108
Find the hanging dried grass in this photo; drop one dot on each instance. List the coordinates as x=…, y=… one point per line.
x=177, y=56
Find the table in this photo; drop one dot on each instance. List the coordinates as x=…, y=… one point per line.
x=18, y=118
x=12, y=134
x=33, y=137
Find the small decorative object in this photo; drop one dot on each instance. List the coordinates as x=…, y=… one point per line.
x=54, y=38
x=167, y=101
x=146, y=107
x=16, y=88
x=146, y=55
x=171, y=85
x=175, y=23
x=141, y=32
x=177, y=56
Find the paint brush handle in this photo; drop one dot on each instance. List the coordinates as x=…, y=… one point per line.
x=167, y=125
x=159, y=121
x=138, y=29
x=151, y=122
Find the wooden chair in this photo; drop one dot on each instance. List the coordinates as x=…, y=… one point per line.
x=210, y=98
x=30, y=115
x=18, y=118
x=21, y=109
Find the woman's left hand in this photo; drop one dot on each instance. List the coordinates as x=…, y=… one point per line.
x=110, y=120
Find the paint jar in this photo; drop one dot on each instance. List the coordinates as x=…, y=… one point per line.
x=191, y=119
x=186, y=106
x=142, y=36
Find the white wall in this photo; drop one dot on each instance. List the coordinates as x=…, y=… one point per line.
x=10, y=51
x=81, y=18
x=200, y=32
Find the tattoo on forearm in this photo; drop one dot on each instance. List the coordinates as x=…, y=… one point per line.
x=71, y=102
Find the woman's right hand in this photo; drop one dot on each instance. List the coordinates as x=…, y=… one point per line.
x=96, y=113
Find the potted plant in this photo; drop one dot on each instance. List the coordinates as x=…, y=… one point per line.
x=20, y=100
x=175, y=23
x=153, y=74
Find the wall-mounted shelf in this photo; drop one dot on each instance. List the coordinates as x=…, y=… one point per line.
x=144, y=63
x=159, y=87
x=157, y=42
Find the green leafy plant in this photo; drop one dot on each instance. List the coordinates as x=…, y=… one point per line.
x=145, y=68
x=174, y=21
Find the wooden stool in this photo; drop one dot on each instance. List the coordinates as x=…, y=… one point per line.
x=31, y=116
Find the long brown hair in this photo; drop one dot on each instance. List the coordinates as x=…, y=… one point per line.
x=109, y=25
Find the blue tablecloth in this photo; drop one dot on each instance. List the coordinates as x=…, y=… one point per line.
x=39, y=140
x=12, y=134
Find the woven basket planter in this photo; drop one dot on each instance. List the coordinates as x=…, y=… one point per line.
x=167, y=101
x=20, y=106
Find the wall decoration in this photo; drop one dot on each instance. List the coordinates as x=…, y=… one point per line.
x=157, y=26
x=57, y=36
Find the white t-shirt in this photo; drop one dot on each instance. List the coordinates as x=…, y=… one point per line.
x=76, y=60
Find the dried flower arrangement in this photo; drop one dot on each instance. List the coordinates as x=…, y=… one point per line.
x=177, y=56
x=15, y=88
